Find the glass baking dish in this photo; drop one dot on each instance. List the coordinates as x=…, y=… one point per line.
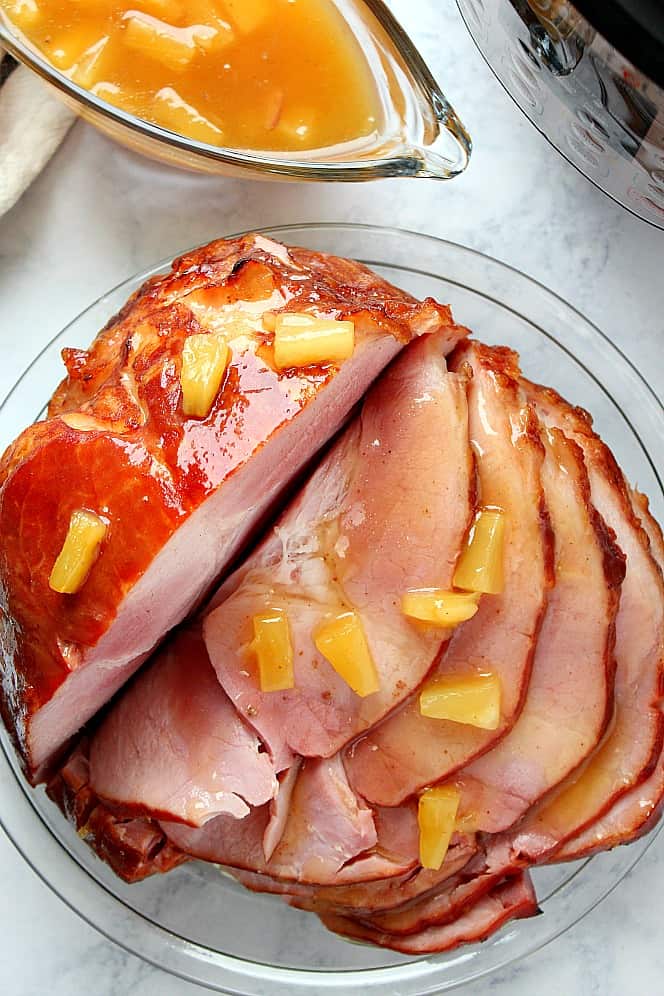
x=202, y=926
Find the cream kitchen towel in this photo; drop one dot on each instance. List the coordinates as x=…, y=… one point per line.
x=33, y=122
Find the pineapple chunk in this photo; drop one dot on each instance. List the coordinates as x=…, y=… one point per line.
x=301, y=339
x=204, y=362
x=174, y=47
x=480, y=566
x=439, y=607
x=177, y=115
x=22, y=13
x=436, y=815
x=342, y=642
x=274, y=651
x=79, y=552
x=269, y=321
x=67, y=48
x=473, y=700
x=208, y=12
x=87, y=70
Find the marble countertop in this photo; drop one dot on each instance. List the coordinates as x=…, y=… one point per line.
x=99, y=214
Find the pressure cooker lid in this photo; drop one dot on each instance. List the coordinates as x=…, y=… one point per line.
x=634, y=27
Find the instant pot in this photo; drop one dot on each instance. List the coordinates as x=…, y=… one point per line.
x=590, y=77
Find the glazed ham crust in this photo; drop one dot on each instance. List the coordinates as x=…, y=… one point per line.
x=180, y=495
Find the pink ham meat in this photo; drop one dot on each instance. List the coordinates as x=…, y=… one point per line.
x=640, y=809
x=181, y=495
x=329, y=836
x=408, y=751
x=174, y=747
x=629, y=752
x=368, y=898
x=570, y=695
x=134, y=847
x=511, y=900
x=386, y=510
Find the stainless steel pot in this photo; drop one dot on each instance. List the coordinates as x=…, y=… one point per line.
x=591, y=78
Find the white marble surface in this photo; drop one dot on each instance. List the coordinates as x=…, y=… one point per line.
x=98, y=214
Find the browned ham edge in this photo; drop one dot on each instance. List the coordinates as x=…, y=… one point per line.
x=511, y=900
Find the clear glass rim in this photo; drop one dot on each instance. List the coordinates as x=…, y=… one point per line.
x=408, y=160
x=416, y=976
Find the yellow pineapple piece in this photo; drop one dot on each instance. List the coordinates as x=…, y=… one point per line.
x=436, y=815
x=274, y=652
x=22, y=13
x=342, y=642
x=439, y=607
x=480, y=566
x=66, y=49
x=204, y=362
x=302, y=339
x=472, y=699
x=212, y=14
x=79, y=552
x=177, y=115
x=172, y=46
x=87, y=70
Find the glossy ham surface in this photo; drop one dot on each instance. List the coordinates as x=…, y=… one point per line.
x=174, y=747
x=408, y=750
x=570, y=695
x=179, y=495
x=629, y=752
x=640, y=809
x=381, y=514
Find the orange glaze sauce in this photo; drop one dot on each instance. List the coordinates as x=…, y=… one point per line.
x=281, y=75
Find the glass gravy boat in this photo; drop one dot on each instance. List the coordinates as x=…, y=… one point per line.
x=421, y=134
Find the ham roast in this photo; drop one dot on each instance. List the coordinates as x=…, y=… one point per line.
x=311, y=793
x=180, y=495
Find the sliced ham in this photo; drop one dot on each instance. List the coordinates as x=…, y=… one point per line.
x=638, y=811
x=174, y=747
x=180, y=495
x=408, y=751
x=329, y=835
x=368, y=898
x=386, y=510
x=133, y=847
x=511, y=900
x=629, y=752
x=570, y=695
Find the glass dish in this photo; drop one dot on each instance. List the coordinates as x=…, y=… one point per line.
x=200, y=925
x=422, y=135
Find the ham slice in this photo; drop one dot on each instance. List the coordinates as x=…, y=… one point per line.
x=369, y=898
x=181, y=495
x=408, y=751
x=329, y=835
x=133, y=847
x=385, y=511
x=173, y=746
x=511, y=900
x=570, y=695
x=629, y=752
x=639, y=810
